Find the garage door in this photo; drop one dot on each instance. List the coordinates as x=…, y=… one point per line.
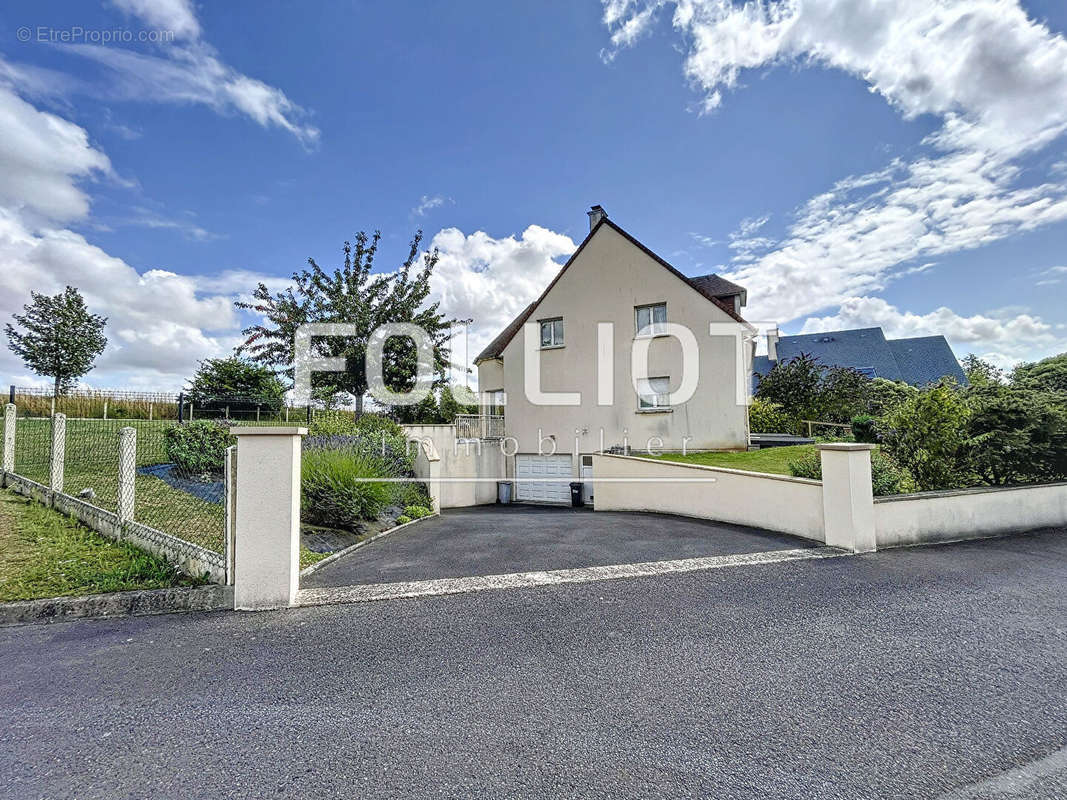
x=544, y=479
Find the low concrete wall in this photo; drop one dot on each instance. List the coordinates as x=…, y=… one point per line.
x=468, y=469
x=967, y=514
x=190, y=558
x=775, y=502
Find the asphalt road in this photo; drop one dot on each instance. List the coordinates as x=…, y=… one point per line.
x=492, y=540
x=911, y=673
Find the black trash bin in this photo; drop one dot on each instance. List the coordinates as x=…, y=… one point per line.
x=576, y=494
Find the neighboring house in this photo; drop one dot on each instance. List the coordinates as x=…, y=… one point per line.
x=613, y=278
x=920, y=360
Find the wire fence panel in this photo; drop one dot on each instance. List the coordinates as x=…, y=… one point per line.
x=96, y=403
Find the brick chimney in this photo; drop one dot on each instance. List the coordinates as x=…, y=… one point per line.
x=596, y=213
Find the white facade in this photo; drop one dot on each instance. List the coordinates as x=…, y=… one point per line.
x=584, y=328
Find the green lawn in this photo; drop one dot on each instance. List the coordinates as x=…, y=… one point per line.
x=45, y=554
x=91, y=462
x=771, y=459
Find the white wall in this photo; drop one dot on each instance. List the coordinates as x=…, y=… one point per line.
x=967, y=514
x=462, y=460
x=774, y=502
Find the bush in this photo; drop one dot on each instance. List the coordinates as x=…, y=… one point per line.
x=417, y=512
x=375, y=425
x=1016, y=435
x=927, y=435
x=886, y=477
x=334, y=490
x=402, y=520
x=332, y=423
x=765, y=416
x=199, y=447
x=885, y=396
x=865, y=429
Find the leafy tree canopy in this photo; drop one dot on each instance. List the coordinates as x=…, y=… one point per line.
x=806, y=389
x=1049, y=374
x=980, y=372
x=234, y=377
x=57, y=337
x=351, y=294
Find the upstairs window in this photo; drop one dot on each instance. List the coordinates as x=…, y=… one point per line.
x=651, y=320
x=654, y=393
x=552, y=333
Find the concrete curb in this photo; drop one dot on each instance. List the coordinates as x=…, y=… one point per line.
x=118, y=604
x=334, y=556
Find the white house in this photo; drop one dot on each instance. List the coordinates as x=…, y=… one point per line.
x=612, y=294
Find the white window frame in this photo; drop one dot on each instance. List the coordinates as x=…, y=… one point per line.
x=655, y=400
x=659, y=327
x=555, y=326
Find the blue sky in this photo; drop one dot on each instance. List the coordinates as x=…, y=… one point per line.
x=847, y=175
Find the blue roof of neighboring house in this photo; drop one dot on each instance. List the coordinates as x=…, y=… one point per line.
x=926, y=359
x=918, y=361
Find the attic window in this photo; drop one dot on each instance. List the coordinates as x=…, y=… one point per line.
x=825, y=339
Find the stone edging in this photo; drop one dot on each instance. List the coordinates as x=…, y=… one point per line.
x=334, y=556
x=118, y=604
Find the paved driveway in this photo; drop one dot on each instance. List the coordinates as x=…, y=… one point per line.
x=491, y=540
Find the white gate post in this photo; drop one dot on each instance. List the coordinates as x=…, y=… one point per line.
x=847, y=496
x=127, y=473
x=267, y=529
x=59, y=444
x=9, y=438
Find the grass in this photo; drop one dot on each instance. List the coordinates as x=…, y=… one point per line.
x=91, y=462
x=45, y=554
x=309, y=557
x=773, y=460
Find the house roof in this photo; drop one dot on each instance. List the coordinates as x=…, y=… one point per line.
x=926, y=359
x=917, y=361
x=495, y=349
x=718, y=286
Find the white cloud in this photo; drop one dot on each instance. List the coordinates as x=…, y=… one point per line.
x=997, y=79
x=1051, y=276
x=428, y=203
x=1009, y=335
x=187, y=70
x=169, y=15
x=491, y=280
x=41, y=158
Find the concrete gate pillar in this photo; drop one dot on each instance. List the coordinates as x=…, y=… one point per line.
x=267, y=527
x=847, y=496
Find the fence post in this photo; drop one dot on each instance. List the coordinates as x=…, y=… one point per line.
x=847, y=496
x=267, y=528
x=230, y=497
x=9, y=437
x=11, y=395
x=127, y=473
x=58, y=456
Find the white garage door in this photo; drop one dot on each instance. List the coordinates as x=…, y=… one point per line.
x=544, y=479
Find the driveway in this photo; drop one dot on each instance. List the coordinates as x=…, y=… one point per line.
x=932, y=672
x=493, y=540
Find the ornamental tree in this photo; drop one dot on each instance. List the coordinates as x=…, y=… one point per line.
x=57, y=337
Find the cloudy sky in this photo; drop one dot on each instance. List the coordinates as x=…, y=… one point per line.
x=852, y=162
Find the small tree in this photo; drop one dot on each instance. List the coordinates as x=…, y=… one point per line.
x=60, y=338
x=234, y=377
x=351, y=294
x=927, y=435
x=1016, y=435
x=980, y=372
x=794, y=385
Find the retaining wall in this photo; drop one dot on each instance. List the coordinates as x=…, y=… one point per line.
x=775, y=502
x=967, y=514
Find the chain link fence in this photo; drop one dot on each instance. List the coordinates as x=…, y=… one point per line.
x=125, y=467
